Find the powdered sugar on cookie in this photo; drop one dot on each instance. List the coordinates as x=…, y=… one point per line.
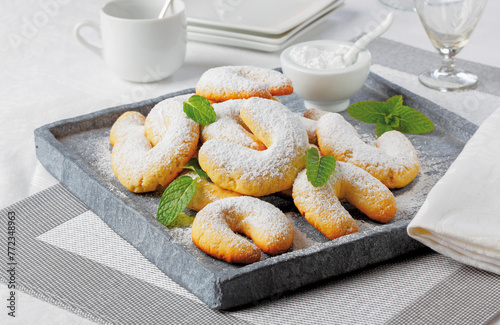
x=138, y=165
x=215, y=229
x=230, y=127
x=258, y=173
x=321, y=205
x=393, y=161
x=232, y=82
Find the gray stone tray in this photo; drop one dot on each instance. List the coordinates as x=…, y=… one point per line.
x=77, y=152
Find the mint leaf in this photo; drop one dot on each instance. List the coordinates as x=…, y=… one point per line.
x=391, y=120
x=195, y=166
x=414, y=122
x=198, y=109
x=182, y=220
x=382, y=128
x=395, y=105
x=368, y=111
x=318, y=170
x=175, y=199
x=391, y=115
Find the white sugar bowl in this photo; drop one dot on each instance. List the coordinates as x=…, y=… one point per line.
x=317, y=82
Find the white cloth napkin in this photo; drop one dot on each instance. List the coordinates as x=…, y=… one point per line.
x=461, y=215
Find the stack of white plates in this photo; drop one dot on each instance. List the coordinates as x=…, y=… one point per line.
x=265, y=25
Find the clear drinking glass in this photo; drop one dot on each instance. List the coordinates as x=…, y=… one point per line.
x=449, y=24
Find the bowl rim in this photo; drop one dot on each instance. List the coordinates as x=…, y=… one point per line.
x=364, y=58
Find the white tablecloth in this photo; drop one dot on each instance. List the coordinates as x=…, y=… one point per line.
x=47, y=76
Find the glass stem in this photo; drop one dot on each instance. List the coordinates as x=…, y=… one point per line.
x=448, y=64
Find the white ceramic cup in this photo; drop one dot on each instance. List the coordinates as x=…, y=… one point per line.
x=136, y=44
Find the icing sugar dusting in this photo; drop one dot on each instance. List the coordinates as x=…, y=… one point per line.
x=162, y=115
x=262, y=221
x=229, y=126
x=281, y=132
x=300, y=238
x=136, y=162
x=241, y=79
x=345, y=181
x=393, y=153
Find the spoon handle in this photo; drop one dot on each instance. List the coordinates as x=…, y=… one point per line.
x=164, y=9
x=368, y=37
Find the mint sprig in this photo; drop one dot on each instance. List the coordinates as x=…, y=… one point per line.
x=318, y=170
x=175, y=199
x=198, y=109
x=391, y=115
x=194, y=165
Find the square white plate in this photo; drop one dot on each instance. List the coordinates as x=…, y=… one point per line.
x=261, y=16
x=259, y=37
x=247, y=42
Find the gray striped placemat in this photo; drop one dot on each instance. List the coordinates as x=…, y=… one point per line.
x=82, y=285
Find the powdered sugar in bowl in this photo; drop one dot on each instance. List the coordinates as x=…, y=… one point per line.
x=320, y=76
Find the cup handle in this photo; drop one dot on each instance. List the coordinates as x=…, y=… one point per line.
x=83, y=41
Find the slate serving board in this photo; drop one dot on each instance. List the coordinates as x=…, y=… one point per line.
x=77, y=152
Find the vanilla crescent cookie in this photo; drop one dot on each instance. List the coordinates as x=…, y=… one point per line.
x=393, y=160
x=229, y=126
x=310, y=126
x=206, y=192
x=232, y=82
x=314, y=114
x=257, y=173
x=321, y=206
x=142, y=167
x=162, y=115
x=215, y=228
